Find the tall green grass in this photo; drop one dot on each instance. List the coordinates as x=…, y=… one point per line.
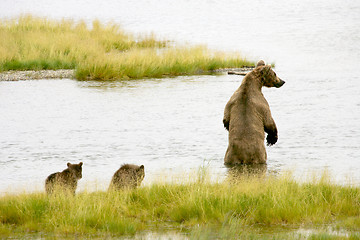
x=101, y=51
x=230, y=207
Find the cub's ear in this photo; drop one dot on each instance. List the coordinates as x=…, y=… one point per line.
x=68, y=164
x=141, y=167
x=260, y=63
x=80, y=164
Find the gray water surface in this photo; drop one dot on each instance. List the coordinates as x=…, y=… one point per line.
x=174, y=125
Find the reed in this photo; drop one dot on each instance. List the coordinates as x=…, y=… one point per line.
x=230, y=207
x=102, y=52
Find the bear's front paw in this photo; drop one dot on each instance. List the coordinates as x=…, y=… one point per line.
x=271, y=139
x=226, y=124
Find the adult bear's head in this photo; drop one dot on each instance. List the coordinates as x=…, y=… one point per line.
x=268, y=76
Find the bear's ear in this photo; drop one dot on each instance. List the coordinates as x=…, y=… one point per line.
x=68, y=164
x=260, y=63
x=80, y=164
x=141, y=167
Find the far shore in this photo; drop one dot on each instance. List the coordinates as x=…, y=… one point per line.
x=100, y=52
x=40, y=74
x=16, y=75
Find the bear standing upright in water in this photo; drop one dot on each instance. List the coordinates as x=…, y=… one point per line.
x=247, y=115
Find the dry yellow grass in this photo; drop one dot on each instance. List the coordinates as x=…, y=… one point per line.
x=101, y=51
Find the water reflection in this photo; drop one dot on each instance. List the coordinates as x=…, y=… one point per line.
x=116, y=84
x=240, y=171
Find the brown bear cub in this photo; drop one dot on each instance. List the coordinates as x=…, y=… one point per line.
x=65, y=180
x=128, y=176
x=247, y=117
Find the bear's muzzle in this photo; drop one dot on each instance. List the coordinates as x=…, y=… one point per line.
x=280, y=83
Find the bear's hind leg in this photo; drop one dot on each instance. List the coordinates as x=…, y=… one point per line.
x=232, y=157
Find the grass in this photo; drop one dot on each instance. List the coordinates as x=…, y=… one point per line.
x=101, y=52
x=248, y=207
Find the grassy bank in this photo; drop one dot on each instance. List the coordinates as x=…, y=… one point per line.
x=102, y=52
x=248, y=206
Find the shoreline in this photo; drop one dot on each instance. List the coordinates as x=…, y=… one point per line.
x=15, y=75
x=100, y=52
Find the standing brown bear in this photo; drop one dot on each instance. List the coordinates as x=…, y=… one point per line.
x=247, y=115
x=65, y=180
x=128, y=176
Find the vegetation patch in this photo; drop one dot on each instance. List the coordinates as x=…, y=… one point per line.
x=101, y=52
x=246, y=206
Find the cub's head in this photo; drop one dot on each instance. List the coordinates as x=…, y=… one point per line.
x=140, y=174
x=134, y=173
x=76, y=169
x=268, y=76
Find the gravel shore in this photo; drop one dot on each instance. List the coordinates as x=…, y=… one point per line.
x=42, y=74
x=69, y=73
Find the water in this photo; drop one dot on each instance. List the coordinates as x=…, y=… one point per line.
x=174, y=125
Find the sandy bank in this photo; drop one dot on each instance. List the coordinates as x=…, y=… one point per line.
x=42, y=74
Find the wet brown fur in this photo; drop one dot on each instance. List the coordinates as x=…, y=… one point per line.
x=247, y=117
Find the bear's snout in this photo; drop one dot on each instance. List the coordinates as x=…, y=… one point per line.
x=280, y=83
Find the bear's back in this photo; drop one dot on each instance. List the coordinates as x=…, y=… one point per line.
x=67, y=179
x=128, y=175
x=247, y=112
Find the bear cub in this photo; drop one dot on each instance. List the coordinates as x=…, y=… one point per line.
x=127, y=176
x=65, y=180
